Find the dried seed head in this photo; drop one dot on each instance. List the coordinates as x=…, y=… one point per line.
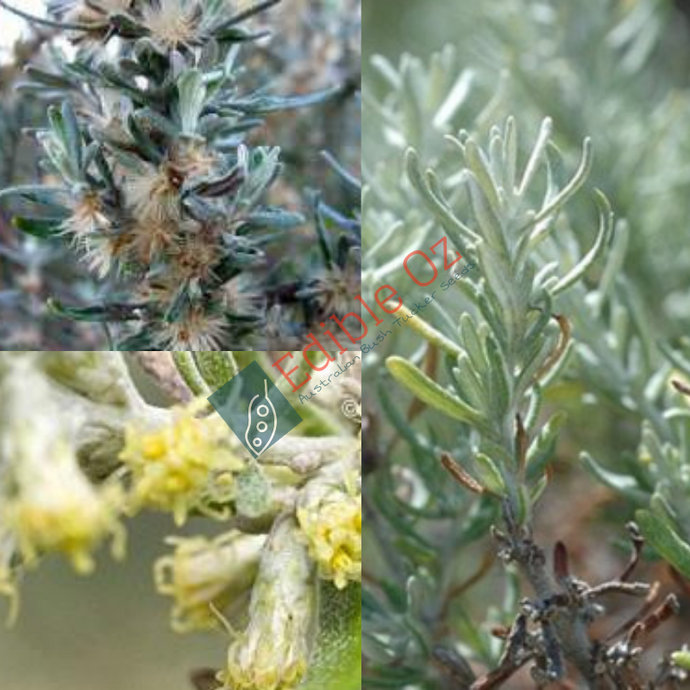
x=241, y=301
x=196, y=254
x=196, y=330
x=86, y=218
x=153, y=195
x=101, y=253
x=334, y=289
x=172, y=23
x=150, y=240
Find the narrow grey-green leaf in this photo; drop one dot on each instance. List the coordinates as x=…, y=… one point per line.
x=192, y=94
x=665, y=541
x=622, y=483
x=429, y=392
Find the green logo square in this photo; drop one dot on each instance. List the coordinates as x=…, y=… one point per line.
x=256, y=411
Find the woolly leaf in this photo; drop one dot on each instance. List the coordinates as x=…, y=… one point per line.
x=542, y=449
x=192, y=95
x=429, y=392
x=489, y=475
x=216, y=368
x=665, y=540
x=337, y=660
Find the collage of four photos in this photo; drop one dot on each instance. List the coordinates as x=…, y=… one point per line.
x=468, y=223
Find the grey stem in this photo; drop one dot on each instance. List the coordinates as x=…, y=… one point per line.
x=45, y=22
x=570, y=629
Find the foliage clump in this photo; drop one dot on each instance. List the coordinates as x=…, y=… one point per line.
x=156, y=177
x=554, y=319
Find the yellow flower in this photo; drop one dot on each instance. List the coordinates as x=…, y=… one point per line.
x=56, y=509
x=273, y=652
x=51, y=506
x=184, y=465
x=202, y=572
x=333, y=528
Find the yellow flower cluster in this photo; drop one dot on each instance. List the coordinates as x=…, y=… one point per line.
x=50, y=504
x=185, y=465
x=204, y=572
x=333, y=529
x=58, y=510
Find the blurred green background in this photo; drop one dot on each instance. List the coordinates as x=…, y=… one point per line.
x=109, y=631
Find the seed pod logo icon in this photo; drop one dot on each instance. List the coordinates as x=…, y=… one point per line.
x=261, y=423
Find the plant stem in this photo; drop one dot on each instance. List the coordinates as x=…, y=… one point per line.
x=570, y=629
x=45, y=22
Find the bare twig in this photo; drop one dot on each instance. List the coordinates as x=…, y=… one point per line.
x=48, y=22
x=638, y=544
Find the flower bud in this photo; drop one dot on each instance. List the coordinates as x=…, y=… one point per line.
x=202, y=572
x=273, y=652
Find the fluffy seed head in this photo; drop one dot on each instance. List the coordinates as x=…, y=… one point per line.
x=86, y=218
x=153, y=195
x=172, y=23
x=334, y=289
x=195, y=331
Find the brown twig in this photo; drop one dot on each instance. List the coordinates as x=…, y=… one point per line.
x=653, y=620
x=638, y=544
x=681, y=387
